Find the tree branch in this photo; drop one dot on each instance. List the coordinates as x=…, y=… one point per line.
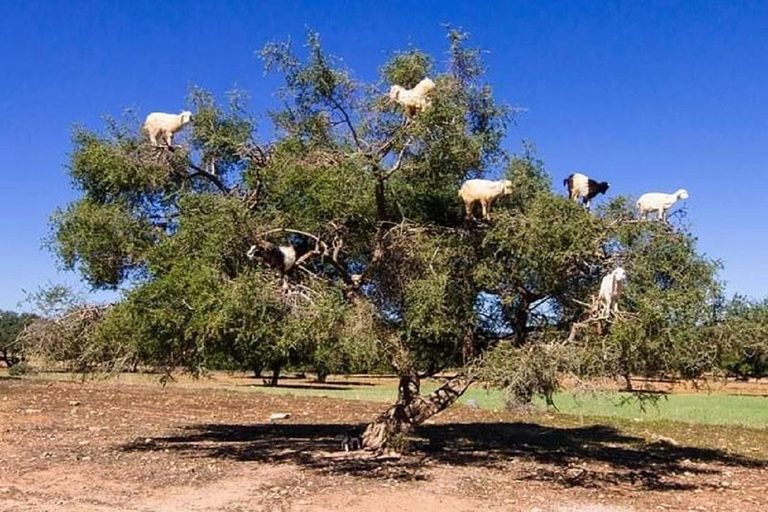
x=208, y=176
x=348, y=121
x=391, y=139
x=396, y=166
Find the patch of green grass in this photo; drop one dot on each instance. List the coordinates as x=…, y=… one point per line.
x=706, y=409
x=700, y=408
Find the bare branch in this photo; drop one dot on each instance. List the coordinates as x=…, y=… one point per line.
x=396, y=166
x=288, y=230
x=391, y=139
x=348, y=121
x=208, y=176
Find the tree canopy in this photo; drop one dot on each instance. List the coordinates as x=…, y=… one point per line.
x=389, y=274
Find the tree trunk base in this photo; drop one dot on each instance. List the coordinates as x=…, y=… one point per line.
x=379, y=433
x=411, y=410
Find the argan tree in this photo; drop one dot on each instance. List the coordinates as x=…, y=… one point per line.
x=388, y=269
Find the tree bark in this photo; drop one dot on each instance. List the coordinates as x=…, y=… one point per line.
x=381, y=200
x=275, y=376
x=10, y=360
x=412, y=409
x=468, y=346
x=628, y=381
x=521, y=324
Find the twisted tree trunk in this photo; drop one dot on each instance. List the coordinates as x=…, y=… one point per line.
x=412, y=409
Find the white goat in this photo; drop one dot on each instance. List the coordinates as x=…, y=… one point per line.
x=582, y=186
x=659, y=202
x=610, y=291
x=166, y=125
x=413, y=100
x=281, y=257
x=484, y=191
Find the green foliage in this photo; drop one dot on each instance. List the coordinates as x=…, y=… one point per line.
x=407, y=68
x=524, y=372
x=222, y=137
x=742, y=335
x=20, y=369
x=320, y=176
x=211, y=230
x=106, y=242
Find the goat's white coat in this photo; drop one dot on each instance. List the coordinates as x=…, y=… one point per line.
x=659, y=202
x=579, y=188
x=610, y=290
x=413, y=100
x=580, y=185
x=159, y=124
x=485, y=191
x=289, y=256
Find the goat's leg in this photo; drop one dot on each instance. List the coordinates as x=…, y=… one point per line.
x=604, y=310
x=486, y=207
x=468, y=209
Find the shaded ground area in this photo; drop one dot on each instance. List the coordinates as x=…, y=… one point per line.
x=106, y=446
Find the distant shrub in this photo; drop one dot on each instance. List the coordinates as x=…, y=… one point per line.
x=20, y=369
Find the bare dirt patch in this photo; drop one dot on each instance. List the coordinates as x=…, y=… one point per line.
x=108, y=446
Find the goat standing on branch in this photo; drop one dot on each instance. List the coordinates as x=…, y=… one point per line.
x=484, y=191
x=413, y=100
x=610, y=291
x=583, y=187
x=659, y=202
x=160, y=124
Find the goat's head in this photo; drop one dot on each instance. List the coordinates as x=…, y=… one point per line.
x=682, y=194
x=185, y=116
x=506, y=187
x=619, y=274
x=603, y=187
x=253, y=252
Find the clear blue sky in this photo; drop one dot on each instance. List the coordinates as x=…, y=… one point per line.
x=650, y=96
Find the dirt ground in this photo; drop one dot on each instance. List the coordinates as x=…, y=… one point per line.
x=104, y=446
